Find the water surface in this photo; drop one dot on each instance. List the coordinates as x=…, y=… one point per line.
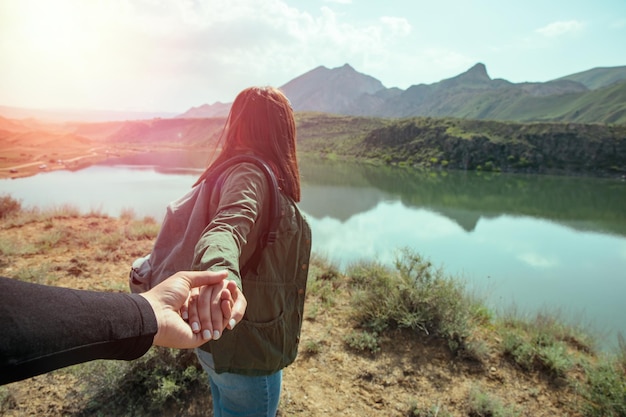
x=529, y=241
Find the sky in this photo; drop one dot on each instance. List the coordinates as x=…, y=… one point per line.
x=171, y=55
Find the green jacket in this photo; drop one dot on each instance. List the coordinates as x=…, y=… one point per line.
x=267, y=338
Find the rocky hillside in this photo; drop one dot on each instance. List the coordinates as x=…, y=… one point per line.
x=336, y=90
x=590, y=149
x=504, y=147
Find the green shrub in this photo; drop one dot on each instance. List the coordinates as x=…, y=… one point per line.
x=323, y=280
x=313, y=347
x=514, y=345
x=482, y=404
x=621, y=352
x=532, y=353
x=604, y=391
x=144, y=229
x=161, y=379
x=49, y=240
x=38, y=274
x=555, y=359
x=9, y=206
x=415, y=410
x=7, y=400
x=362, y=341
x=523, y=162
x=414, y=296
x=476, y=349
x=64, y=211
x=543, y=343
x=13, y=248
x=127, y=213
x=112, y=241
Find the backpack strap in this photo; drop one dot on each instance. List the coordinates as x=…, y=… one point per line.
x=270, y=235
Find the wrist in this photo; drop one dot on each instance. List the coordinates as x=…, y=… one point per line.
x=156, y=314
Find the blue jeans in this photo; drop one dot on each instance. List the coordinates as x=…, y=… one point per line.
x=241, y=395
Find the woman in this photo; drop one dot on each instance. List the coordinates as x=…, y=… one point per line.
x=245, y=365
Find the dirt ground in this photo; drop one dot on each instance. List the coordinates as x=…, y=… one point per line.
x=411, y=370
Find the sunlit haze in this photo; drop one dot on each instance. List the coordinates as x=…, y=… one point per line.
x=170, y=55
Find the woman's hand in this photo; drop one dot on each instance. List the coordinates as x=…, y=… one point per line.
x=212, y=309
x=167, y=300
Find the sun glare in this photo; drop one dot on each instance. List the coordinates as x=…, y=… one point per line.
x=58, y=29
x=62, y=49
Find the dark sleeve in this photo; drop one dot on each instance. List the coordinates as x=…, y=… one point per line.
x=45, y=328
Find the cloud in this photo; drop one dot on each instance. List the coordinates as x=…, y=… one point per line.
x=255, y=41
x=398, y=25
x=561, y=28
x=185, y=53
x=619, y=24
x=537, y=261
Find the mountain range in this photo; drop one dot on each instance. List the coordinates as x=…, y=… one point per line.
x=594, y=96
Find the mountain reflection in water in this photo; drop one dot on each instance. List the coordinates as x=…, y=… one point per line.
x=528, y=240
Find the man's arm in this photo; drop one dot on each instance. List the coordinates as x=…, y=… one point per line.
x=46, y=328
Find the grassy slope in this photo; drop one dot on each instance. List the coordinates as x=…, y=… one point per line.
x=598, y=77
x=605, y=105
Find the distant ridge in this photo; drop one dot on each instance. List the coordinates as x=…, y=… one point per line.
x=597, y=95
x=333, y=90
x=593, y=96
x=217, y=109
x=598, y=77
x=477, y=75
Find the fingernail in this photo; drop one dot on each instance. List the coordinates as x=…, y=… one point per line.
x=195, y=327
x=185, y=315
x=216, y=334
x=206, y=335
x=232, y=323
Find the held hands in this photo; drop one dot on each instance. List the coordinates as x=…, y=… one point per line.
x=214, y=304
x=210, y=309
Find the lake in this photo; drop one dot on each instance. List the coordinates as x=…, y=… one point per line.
x=528, y=241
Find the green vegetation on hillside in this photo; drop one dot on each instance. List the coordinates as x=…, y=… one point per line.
x=464, y=144
x=604, y=105
x=598, y=77
x=329, y=135
x=607, y=104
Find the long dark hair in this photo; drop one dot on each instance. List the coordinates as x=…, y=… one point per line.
x=261, y=121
